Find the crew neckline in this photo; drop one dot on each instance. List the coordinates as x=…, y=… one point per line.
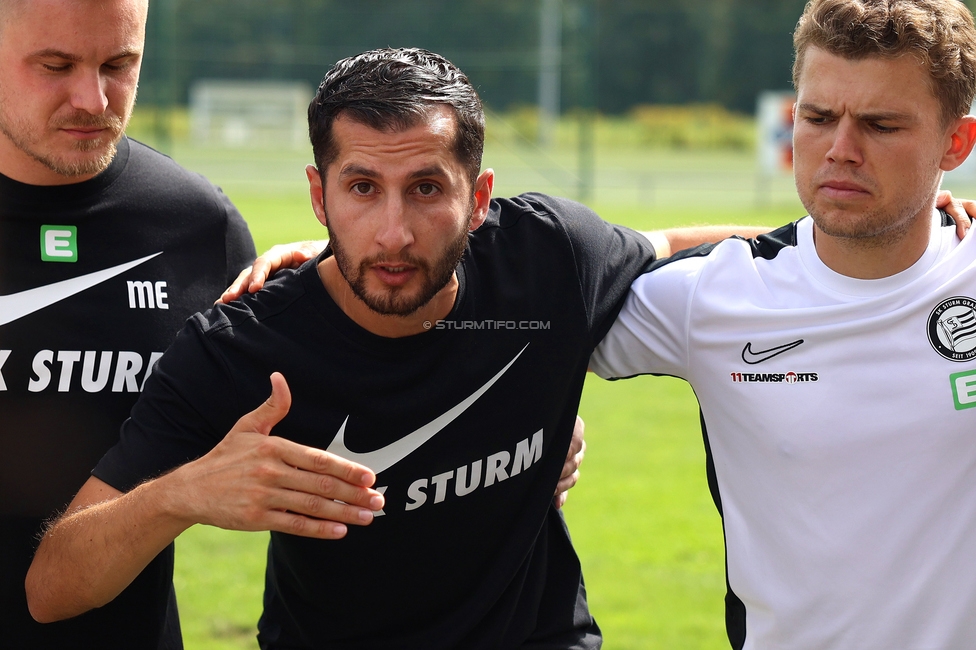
x=940, y=239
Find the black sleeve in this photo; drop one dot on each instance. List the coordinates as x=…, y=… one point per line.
x=608, y=258
x=187, y=406
x=239, y=243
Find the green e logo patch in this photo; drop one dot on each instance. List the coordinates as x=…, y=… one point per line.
x=964, y=389
x=59, y=243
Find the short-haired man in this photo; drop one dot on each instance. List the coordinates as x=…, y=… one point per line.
x=835, y=360
x=106, y=247
x=441, y=344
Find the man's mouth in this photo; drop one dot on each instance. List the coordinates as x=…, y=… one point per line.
x=85, y=132
x=394, y=274
x=838, y=189
x=82, y=126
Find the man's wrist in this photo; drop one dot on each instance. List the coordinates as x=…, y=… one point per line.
x=659, y=240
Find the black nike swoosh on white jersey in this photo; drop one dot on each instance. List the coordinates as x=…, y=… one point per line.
x=388, y=456
x=23, y=303
x=752, y=358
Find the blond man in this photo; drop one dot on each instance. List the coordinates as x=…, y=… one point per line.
x=835, y=360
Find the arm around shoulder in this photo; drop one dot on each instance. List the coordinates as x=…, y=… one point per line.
x=669, y=241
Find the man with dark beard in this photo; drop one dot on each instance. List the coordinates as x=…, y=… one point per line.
x=437, y=351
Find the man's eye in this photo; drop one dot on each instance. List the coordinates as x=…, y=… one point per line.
x=426, y=189
x=362, y=188
x=119, y=65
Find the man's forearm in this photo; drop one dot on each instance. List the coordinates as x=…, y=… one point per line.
x=95, y=551
x=669, y=241
x=249, y=481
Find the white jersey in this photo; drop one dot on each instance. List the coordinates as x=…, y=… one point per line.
x=840, y=419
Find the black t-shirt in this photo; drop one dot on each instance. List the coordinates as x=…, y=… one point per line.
x=96, y=278
x=479, y=410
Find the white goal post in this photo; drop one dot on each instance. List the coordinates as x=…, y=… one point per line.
x=250, y=113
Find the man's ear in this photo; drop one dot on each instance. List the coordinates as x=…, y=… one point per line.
x=482, y=198
x=316, y=193
x=961, y=139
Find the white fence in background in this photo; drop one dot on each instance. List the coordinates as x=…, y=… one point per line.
x=250, y=113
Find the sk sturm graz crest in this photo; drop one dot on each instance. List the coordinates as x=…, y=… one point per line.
x=952, y=328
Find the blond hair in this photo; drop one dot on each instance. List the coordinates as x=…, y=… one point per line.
x=940, y=34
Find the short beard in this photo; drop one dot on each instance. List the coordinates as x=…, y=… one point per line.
x=392, y=303
x=876, y=230
x=869, y=239
x=73, y=169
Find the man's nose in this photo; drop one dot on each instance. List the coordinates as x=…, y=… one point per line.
x=88, y=92
x=394, y=233
x=846, y=144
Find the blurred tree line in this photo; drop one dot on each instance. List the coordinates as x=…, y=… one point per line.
x=616, y=53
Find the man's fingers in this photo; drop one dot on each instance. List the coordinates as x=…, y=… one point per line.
x=962, y=225
x=271, y=412
x=251, y=279
x=262, y=269
x=236, y=289
x=293, y=524
x=251, y=480
x=331, y=486
x=571, y=466
x=577, y=447
x=962, y=211
x=280, y=256
x=337, y=490
x=311, y=505
x=576, y=443
x=323, y=463
x=574, y=458
x=567, y=482
x=255, y=476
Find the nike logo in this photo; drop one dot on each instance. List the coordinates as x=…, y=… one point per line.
x=23, y=303
x=752, y=358
x=393, y=453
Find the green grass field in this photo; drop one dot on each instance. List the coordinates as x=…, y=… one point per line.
x=642, y=520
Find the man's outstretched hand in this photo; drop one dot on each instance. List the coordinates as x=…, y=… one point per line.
x=250, y=481
x=254, y=481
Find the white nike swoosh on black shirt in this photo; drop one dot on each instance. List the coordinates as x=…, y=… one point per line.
x=752, y=358
x=23, y=303
x=393, y=453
